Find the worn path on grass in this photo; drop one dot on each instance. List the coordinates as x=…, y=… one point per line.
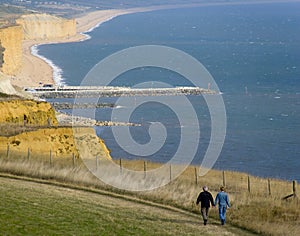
x=38, y=207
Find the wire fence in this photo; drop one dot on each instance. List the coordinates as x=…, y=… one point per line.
x=233, y=180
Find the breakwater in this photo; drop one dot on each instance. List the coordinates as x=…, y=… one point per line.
x=110, y=91
x=75, y=121
x=65, y=105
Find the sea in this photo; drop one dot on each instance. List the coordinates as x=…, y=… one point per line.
x=252, y=52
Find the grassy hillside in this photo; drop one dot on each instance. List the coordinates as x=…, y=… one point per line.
x=256, y=211
x=30, y=208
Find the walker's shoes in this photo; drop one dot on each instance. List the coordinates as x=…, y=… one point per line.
x=205, y=222
x=222, y=222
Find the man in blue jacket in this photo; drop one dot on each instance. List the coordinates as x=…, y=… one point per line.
x=222, y=200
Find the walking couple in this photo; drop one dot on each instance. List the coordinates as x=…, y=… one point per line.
x=206, y=199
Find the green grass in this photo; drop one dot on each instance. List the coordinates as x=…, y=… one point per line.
x=29, y=208
x=257, y=211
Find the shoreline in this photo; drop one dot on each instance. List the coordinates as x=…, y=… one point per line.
x=38, y=69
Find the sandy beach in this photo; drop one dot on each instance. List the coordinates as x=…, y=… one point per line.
x=35, y=70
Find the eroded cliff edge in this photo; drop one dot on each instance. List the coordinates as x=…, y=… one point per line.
x=44, y=26
x=11, y=53
x=30, y=27
x=24, y=125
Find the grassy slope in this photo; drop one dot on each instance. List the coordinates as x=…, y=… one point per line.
x=257, y=211
x=30, y=208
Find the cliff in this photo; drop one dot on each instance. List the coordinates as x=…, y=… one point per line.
x=60, y=141
x=11, y=45
x=34, y=27
x=5, y=85
x=44, y=26
x=34, y=112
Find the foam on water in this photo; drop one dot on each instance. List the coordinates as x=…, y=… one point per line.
x=57, y=71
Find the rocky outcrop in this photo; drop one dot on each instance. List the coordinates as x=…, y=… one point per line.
x=44, y=26
x=11, y=45
x=5, y=86
x=29, y=111
x=59, y=140
x=32, y=26
x=62, y=141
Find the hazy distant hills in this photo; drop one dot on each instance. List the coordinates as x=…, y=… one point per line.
x=67, y=8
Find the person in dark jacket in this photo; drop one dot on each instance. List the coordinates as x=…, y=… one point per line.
x=206, y=200
x=222, y=200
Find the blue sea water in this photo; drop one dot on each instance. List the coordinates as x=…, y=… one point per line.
x=252, y=52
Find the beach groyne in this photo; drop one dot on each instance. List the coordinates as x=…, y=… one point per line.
x=109, y=91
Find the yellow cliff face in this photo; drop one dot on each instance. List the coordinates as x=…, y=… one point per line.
x=44, y=26
x=11, y=41
x=32, y=112
x=60, y=141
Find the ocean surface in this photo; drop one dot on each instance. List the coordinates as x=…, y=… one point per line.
x=252, y=52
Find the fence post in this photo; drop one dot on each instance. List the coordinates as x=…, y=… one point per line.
x=28, y=154
x=51, y=161
x=121, y=170
x=295, y=188
x=73, y=158
x=224, y=179
x=96, y=163
x=249, y=189
x=145, y=169
x=170, y=172
x=269, y=187
x=8, y=151
x=196, y=176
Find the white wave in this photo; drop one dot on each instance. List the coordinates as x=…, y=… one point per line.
x=57, y=71
x=118, y=107
x=87, y=36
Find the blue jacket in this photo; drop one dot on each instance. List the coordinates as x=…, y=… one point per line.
x=222, y=199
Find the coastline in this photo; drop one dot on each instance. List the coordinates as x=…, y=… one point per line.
x=38, y=69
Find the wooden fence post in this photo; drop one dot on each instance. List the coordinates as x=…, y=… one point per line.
x=8, y=151
x=145, y=169
x=73, y=158
x=196, y=176
x=51, y=161
x=28, y=154
x=269, y=187
x=170, y=172
x=121, y=166
x=249, y=189
x=295, y=188
x=96, y=163
x=224, y=179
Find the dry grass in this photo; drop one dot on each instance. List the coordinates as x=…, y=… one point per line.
x=257, y=211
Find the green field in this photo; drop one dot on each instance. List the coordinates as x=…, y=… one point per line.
x=30, y=208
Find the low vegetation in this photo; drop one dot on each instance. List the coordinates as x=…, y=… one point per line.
x=261, y=210
x=29, y=208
